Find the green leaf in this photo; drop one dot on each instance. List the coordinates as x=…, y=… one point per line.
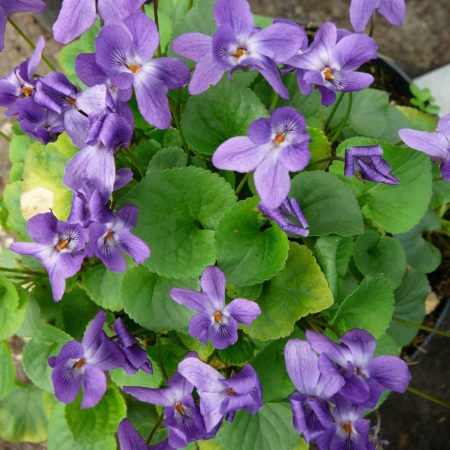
x=239, y=353
x=178, y=212
x=270, y=429
x=320, y=148
x=409, y=305
x=96, y=424
x=13, y=308
x=369, y=307
x=298, y=290
x=23, y=416
x=61, y=438
x=223, y=111
x=165, y=25
x=248, y=292
x=103, y=287
x=418, y=119
x=7, y=369
x=47, y=341
x=18, y=147
x=387, y=346
x=376, y=255
x=199, y=19
x=248, y=251
x=396, y=120
x=327, y=203
x=141, y=378
x=191, y=344
x=15, y=222
x=168, y=158
x=147, y=301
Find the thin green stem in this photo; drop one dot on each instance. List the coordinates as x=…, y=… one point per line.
x=372, y=25
x=20, y=271
x=190, y=4
x=422, y=327
x=274, y=97
x=160, y=360
x=344, y=120
x=157, y=424
x=327, y=325
x=155, y=14
x=242, y=183
x=176, y=119
x=5, y=137
x=329, y=159
x=333, y=111
x=432, y=398
x=30, y=43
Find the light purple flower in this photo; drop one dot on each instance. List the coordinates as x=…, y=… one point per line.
x=362, y=10
x=183, y=418
x=237, y=44
x=219, y=396
x=19, y=84
x=58, y=246
x=77, y=16
x=436, y=144
x=214, y=320
x=111, y=239
x=129, y=439
x=316, y=380
x=365, y=378
x=331, y=61
x=274, y=147
x=288, y=216
x=369, y=162
x=83, y=365
x=125, y=52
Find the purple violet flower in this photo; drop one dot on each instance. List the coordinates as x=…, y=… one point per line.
x=183, y=418
x=83, y=365
x=288, y=216
x=369, y=162
x=135, y=356
x=129, y=439
x=125, y=51
x=219, y=396
x=274, y=147
x=111, y=239
x=58, y=246
x=19, y=84
x=365, y=378
x=316, y=380
x=331, y=61
x=435, y=144
x=237, y=44
x=77, y=16
x=362, y=10
x=214, y=320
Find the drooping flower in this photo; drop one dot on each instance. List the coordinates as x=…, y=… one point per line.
x=19, y=84
x=82, y=365
x=237, y=44
x=183, y=418
x=369, y=162
x=77, y=16
x=330, y=62
x=274, y=147
x=58, y=246
x=288, y=216
x=125, y=53
x=316, y=380
x=219, y=396
x=135, y=356
x=365, y=377
x=436, y=144
x=111, y=239
x=362, y=10
x=129, y=439
x=214, y=320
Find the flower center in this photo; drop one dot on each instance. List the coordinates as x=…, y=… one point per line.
x=279, y=138
x=328, y=74
x=179, y=408
x=239, y=52
x=28, y=91
x=347, y=427
x=71, y=101
x=231, y=392
x=109, y=235
x=80, y=363
x=134, y=68
x=218, y=317
x=61, y=245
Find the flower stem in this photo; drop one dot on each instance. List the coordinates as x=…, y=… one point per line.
x=160, y=360
x=176, y=119
x=190, y=4
x=30, y=43
x=157, y=424
x=242, y=183
x=155, y=14
x=329, y=159
x=344, y=120
x=333, y=111
x=432, y=398
x=421, y=327
x=5, y=137
x=20, y=271
x=372, y=25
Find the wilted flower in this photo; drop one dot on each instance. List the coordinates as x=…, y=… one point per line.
x=129, y=439
x=362, y=10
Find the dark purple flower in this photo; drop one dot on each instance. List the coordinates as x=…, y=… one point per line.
x=58, y=246
x=237, y=44
x=274, y=147
x=183, y=418
x=362, y=10
x=8, y=7
x=331, y=61
x=83, y=365
x=19, y=84
x=135, y=356
x=365, y=378
x=316, y=380
x=129, y=439
x=77, y=16
x=125, y=52
x=288, y=216
x=369, y=162
x=111, y=239
x=214, y=320
x=436, y=144
x=219, y=396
